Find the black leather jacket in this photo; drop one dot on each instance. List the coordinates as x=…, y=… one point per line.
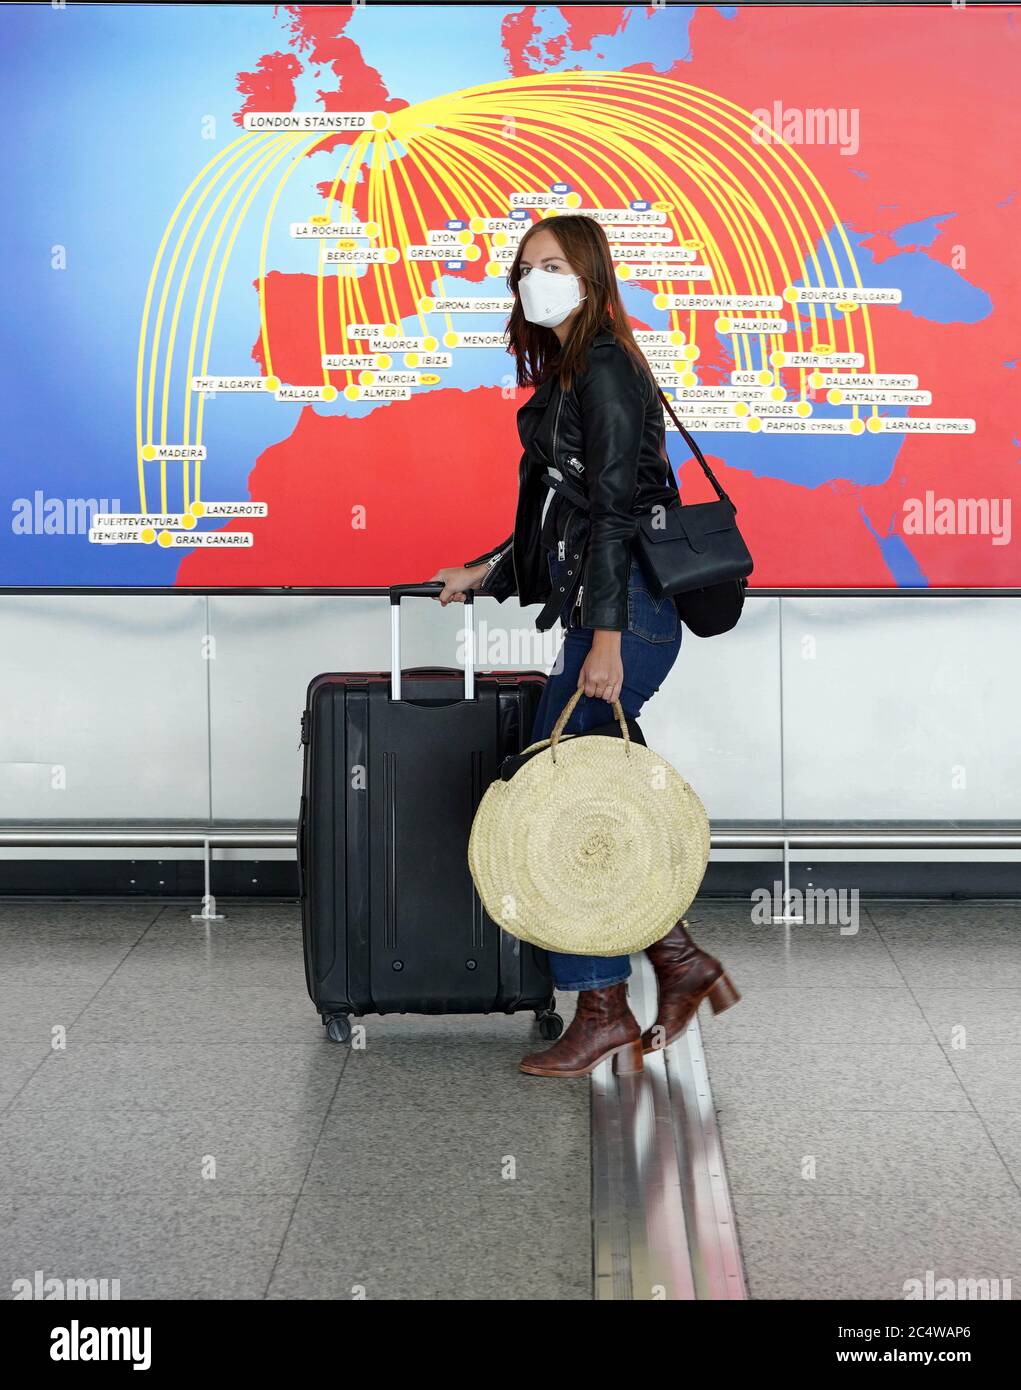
x=607, y=437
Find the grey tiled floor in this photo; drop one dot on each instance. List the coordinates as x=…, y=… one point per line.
x=198, y=1137
x=868, y=1092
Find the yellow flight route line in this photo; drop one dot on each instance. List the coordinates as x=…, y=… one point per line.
x=472, y=205
x=477, y=191
x=349, y=287
x=382, y=273
x=739, y=228
x=261, y=156
x=702, y=228
x=412, y=269
x=320, y=279
x=572, y=141
x=796, y=243
x=295, y=164
x=239, y=147
x=169, y=351
x=661, y=131
x=346, y=169
x=140, y=370
x=225, y=261
x=774, y=152
x=419, y=159
x=661, y=134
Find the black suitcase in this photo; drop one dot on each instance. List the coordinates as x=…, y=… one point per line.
x=394, y=768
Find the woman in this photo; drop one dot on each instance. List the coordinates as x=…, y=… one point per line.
x=595, y=418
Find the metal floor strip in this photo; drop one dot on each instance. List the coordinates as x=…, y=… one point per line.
x=662, y=1219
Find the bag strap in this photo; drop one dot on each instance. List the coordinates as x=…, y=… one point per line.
x=555, y=479
x=695, y=450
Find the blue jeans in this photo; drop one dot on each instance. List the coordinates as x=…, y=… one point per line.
x=648, y=650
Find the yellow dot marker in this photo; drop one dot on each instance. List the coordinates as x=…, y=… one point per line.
x=874, y=425
x=741, y=409
x=366, y=378
x=430, y=343
x=777, y=359
x=477, y=224
x=426, y=306
x=471, y=253
x=763, y=377
x=659, y=301
x=352, y=393
x=835, y=396
x=754, y=424
x=329, y=393
x=689, y=379
x=790, y=295
x=857, y=426
x=383, y=360
x=500, y=238
x=165, y=539
x=148, y=535
x=465, y=238
x=188, y=522
x=391, y=255
x=390, y=330
x=691, y=353
x=272, y=383
x=722, y=325
x=198, y=509
x=494, y=268
x=573, y=200
x=777, y=393
x=623, y=272
x=815, y=380
x=148, y=452
x=371, y=229
x=411, y=359
x=450, y=339
x=676, y=338
x=803, y=408
x=380, y=120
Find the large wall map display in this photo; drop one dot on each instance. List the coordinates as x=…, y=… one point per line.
x=259, y=339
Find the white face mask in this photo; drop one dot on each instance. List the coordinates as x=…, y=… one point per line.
x=547, y=297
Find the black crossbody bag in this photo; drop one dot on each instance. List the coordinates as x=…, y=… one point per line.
x=692, y=553
x=695, y=554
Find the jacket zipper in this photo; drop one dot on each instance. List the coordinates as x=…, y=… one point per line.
x=556, y=426
x=492, y=562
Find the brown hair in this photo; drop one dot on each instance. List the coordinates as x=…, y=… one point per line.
x=536, y=349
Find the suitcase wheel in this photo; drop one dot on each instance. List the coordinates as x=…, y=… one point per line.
x=551, y=1025
x=338, y=1028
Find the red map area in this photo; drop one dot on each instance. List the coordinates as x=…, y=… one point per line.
x=437, y=475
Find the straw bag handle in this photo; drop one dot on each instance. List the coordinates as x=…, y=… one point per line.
x=568, y=710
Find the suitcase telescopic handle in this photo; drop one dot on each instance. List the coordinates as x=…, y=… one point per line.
x=429, y=590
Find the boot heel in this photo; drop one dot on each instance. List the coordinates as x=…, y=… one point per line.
x=723, y=993
x=628, y=1060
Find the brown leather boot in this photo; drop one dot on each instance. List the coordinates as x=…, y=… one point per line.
x=602, y=1027
x=686, y=975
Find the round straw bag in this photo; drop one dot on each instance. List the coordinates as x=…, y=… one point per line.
x=596, y=846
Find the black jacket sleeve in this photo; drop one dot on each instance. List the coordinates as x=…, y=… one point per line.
x=500, y=582
x=612, y=400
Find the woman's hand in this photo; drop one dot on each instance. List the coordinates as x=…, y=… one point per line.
x=602, y=672
x=457, y=580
